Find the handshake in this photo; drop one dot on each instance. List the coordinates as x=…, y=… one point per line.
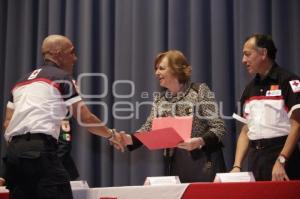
x=120, y=140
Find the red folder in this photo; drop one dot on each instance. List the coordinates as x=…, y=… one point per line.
x=160, y=138
x=166, y=132
x=182, y=125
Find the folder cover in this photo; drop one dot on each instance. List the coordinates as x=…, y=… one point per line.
x=160, y=138
x=166, y=132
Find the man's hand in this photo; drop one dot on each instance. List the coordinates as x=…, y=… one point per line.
x=278, y=172
x=127, y=139
x=124, y=139
x=191, y=144
x=117, y=141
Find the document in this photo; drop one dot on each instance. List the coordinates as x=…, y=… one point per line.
x=239, y=118
x=182, y=125
x=166, y=132
x=159, y=139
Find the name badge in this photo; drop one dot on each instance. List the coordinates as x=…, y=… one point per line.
x=273, y=92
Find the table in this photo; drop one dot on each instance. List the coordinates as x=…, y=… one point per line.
x=139, y=192
x=249, y=190
x=244, y=190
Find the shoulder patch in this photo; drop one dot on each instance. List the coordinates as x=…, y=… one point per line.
x=65, y=125
x=34, y=74
x=295, y=85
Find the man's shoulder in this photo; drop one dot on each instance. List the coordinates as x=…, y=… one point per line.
x=53, y=69
x=54, y=73
x=44, y=73
x=285, y=74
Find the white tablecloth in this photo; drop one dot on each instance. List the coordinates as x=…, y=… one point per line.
x=139, y=192
x=129, y=192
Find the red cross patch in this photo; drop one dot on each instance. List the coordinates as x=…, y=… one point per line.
x=295, y=85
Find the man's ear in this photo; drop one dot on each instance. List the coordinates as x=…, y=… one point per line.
x=264, y=53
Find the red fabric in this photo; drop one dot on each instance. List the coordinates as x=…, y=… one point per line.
x=251, y=190
x=4, y=195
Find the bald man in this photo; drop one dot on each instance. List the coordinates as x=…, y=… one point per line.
x=38, y=103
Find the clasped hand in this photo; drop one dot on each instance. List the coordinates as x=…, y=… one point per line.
x=121, y=140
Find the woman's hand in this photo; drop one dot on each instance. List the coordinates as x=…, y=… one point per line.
x=192, y=143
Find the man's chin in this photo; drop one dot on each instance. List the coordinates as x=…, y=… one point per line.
x=251, y=72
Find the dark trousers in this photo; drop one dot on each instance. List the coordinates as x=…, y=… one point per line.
x=197, y=166
x=263, y=154
x=33, y=169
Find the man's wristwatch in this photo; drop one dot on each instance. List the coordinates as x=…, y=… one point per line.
x=282, y=159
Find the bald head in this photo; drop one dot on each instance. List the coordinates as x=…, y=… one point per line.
x=60, y=50
x=54, y=43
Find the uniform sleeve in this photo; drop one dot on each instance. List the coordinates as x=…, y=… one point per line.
x=291, y=93
x=209, y=109
x=69, y=91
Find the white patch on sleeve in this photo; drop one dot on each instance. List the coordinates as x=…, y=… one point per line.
x=295, y=85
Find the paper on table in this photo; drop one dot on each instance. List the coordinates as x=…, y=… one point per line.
x=160, y=138
x=182, y=125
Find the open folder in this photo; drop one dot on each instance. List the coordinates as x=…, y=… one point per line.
x=166, y=132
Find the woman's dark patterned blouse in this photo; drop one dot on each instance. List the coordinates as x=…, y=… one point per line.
x=197, y=101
